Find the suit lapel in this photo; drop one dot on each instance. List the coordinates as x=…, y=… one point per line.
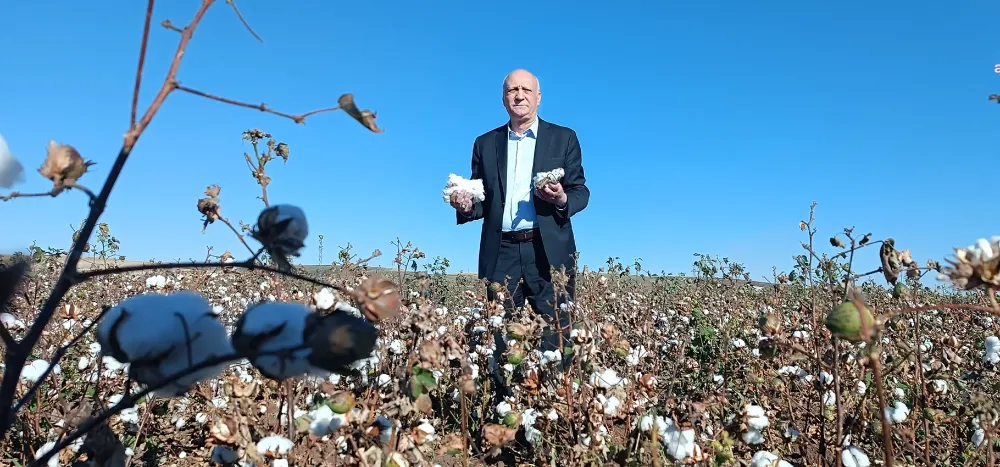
x=502, y=160
x=542, y=140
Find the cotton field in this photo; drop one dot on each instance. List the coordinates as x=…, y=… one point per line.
x=668, y=371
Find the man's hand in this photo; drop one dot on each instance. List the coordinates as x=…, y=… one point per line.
x=462, y=201
x=553, y=193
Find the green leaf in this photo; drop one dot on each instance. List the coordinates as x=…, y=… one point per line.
x=422, y=381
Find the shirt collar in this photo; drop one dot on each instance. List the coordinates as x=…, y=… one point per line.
x=531, y=132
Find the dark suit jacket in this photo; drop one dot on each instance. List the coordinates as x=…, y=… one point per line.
x=556, y=146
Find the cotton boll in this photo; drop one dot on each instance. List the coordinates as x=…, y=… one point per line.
x=143, y=327
x=338, y=340
x=854, y=457
x=272, y=326
x=458, y=184
x=767, y=459
x=607, y=379
x=11, y=170
x=43, y=450
x=155, y=332
x=679, y=443
x=282, y=229
x=992, y=350
x=897, y=413
x=324, y=299
x=756, y=420
x=34, y=370
x=209, y=340
x=274, y=445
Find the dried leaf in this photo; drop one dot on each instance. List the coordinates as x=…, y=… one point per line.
x=423, y=404
x=864, y=240
x=891, y=265
x=365, y=117
x=378, y=298
x=498, y=435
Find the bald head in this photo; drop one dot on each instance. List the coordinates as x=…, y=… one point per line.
x=521, y=74
x=521, y=96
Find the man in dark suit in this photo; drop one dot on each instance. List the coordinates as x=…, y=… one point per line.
x=526, y=231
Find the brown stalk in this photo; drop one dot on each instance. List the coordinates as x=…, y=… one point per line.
x=261, y=107
x=922, y=399
x=142, y=61
x=239, y=15
x=55, y=191
x=813, y=292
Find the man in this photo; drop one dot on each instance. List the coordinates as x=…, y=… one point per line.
x=526, y=231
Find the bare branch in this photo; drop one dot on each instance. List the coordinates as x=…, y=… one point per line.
x=16, y=356
x=239, y=15
x=142, y=60
x=250, y=264
x=238, y=234
x=55, y=191
x=261, y=107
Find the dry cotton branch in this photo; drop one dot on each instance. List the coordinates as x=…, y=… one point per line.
x=68, y=167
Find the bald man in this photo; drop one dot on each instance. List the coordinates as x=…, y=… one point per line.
x=526, y=231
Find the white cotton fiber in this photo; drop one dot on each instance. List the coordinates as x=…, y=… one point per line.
x=457, y=183
x=544, y=178
x=11, y=170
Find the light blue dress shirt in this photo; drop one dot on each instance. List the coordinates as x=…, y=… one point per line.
x=519, y=210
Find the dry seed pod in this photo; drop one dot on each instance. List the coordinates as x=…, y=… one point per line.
x=63, y=164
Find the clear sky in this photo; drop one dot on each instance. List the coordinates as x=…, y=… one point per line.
x=705, y=126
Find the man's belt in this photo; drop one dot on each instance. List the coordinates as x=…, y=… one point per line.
x=519, y=236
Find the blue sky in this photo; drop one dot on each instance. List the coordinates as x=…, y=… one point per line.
x=705, y=126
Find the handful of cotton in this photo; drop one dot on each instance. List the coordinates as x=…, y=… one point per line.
x=457, y=183
x=545, y=178
x=163, y=335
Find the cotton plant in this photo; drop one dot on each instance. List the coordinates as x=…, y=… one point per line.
x=11, y=170
x=457, y=183
x=162, y=335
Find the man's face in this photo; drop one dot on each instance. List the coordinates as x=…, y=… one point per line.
x=521, y=96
